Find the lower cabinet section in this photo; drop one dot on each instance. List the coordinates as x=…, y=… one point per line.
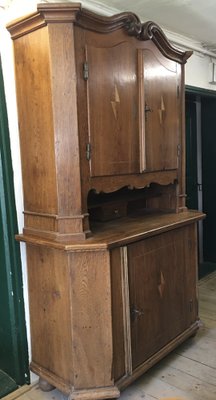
x=162, y=281
x=157, y=282
x=102, y=314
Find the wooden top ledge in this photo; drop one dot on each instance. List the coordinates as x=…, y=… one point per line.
x=121, y=232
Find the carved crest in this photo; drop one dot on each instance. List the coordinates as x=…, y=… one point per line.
x=73, y=12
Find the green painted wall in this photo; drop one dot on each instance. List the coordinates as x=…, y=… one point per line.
x=13, y=343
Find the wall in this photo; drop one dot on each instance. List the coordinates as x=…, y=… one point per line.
x=196, y=75
x=197, y=71
x=197, y=67
x=7, y=60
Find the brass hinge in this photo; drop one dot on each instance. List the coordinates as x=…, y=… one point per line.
x=88, y=151
x=85, y=71
x=191, y=305
x=178, y=150
x=178, y=91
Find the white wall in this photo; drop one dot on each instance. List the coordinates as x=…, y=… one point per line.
x=196, y=75
x=197, y=71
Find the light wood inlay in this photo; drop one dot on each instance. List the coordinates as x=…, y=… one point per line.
x=126, y=311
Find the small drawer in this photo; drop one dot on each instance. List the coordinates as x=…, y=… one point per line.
x=109, y=211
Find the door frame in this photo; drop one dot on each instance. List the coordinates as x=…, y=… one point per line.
x=199, y=91
x=205, y=267
x=12, y=249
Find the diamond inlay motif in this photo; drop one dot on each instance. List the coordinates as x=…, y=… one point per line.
x=115, y=101
x=161, y=286
x=161, y=110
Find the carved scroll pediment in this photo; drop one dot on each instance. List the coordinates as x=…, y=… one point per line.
x=134, y=27
x=73, y=12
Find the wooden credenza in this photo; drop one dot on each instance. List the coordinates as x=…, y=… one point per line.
x=111, y=247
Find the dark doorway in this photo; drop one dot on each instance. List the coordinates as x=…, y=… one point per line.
x=200, y=159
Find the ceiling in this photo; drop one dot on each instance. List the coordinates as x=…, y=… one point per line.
x=195, y=19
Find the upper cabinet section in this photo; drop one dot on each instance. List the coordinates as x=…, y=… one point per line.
x=100, y=103
x=130, y=82
x=133, y=106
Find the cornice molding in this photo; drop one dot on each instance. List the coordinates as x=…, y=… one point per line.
x=151, y=31
x=46, y=13
x=134, y=27
x=73, y=12
x=21, y=26
x=181, y=41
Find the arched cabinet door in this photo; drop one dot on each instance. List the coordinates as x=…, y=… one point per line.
x=163, y=299
x=113, y=106
x=162, y=111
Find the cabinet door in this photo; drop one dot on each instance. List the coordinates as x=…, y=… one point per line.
x=162, y=282
x=113, y=108
x=162, y=111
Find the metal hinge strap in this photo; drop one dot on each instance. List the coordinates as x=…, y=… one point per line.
x=88, y=151
x=178, y=150
x=178, y=91
x=85, y=71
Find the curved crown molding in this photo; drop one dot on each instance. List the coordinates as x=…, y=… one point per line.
x=153, y=32
x=142, y=31
x=73, y=12
x=105, y=24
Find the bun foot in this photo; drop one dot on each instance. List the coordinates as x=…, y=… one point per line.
x=45, y=386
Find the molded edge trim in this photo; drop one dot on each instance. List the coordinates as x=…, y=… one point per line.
x=151, y=31
x=170, y=222
x=73, y=12
x=107, y=392
x=25, y=25
x=134, y=27
x=159, y=355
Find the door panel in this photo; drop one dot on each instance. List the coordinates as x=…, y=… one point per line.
x=200, y=156
x=162, y=278
x=161, y=80
x=113, y=95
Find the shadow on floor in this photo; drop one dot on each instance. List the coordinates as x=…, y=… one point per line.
x=7, y=384
x=206, y=268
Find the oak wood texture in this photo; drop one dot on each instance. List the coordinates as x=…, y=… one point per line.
x=84, y=301
x=119, y=233
x=147, y=262
x=114, y=138
x=56, y=42
x=162, y=111
x=89, y=20
x=111, y=248
x=52, y=150
x=72, y=324
x=189, y=372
